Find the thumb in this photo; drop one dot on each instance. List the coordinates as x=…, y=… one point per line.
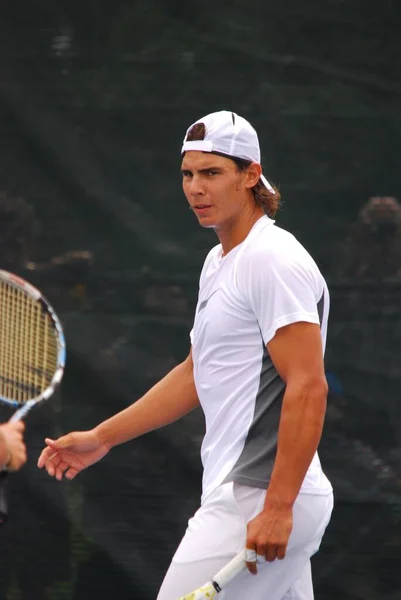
x=60, y=444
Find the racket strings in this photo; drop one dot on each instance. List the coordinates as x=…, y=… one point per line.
x=28, y=345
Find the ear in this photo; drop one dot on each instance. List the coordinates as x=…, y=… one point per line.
x=253, y=174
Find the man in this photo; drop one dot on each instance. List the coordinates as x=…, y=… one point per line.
x=12, y=445
x=256, y=368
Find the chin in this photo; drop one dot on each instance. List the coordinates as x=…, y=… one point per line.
x=207, y=223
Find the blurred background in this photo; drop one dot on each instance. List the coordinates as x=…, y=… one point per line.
x=95, y=98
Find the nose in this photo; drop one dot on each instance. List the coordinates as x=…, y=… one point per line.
x=196, y=187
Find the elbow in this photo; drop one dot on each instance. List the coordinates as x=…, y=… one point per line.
x=319, y=387
x=311, y=389
x=317, y=394
x=310, y=384
x=314, y=402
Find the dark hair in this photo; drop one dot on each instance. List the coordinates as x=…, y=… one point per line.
x=269, y=200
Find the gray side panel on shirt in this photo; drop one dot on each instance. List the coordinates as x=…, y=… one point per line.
x=254, y=466
x=320, y=308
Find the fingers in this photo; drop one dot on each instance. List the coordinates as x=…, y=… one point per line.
x=255, y=557
x=58, y=468
x=57, y=458
x=250, y=560
x=48, y=454
x=262, y=554
x=267, y=537
x=13, y=426
x=71, y=473
x=53, y=464
x=18, y=426
x=49, y=459
x=56, y=444
x=271, y=553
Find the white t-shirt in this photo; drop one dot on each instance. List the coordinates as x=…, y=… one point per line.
x=266, y=282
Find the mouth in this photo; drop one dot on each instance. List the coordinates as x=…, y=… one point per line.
x=201, y=208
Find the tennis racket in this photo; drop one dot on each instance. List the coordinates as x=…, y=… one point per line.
x=32, y=353
x=217, y=584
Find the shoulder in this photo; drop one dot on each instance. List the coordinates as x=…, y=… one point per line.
x=276, y=255
x=274, y=246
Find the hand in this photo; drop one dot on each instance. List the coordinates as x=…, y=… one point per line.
x=12, y=446
x=268, y=534
x=71, y=454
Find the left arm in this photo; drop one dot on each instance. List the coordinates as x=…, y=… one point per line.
x=296, y=352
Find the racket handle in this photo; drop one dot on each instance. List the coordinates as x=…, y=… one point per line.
x=3, y=497
x=230, y=571
x=22, y=412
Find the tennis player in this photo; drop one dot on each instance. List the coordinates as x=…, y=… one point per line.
x=255, y=367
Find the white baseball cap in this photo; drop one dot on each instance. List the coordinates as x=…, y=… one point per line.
x=229, y=134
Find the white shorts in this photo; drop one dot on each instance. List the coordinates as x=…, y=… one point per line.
x=217, y=532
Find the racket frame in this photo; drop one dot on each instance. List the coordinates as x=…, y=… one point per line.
x=27, y=288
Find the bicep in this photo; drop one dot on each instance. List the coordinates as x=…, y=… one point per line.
x=296, y=352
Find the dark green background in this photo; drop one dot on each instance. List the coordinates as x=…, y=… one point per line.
x=95, y=98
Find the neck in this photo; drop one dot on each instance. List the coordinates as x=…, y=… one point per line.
x=235, y=233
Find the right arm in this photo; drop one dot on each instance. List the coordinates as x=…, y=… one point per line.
x=167, y=401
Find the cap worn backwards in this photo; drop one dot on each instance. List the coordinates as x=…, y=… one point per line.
x=229, y=134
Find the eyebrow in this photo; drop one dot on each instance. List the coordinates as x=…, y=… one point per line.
x=204, y=170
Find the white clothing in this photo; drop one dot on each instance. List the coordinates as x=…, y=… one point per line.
x=218, y=531
x=266, y=282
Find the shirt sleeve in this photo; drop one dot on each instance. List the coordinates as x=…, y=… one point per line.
x=280, y=288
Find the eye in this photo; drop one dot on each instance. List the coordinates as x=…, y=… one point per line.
x=212, y=172
x=186, y=174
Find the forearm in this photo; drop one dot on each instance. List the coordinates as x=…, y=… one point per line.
x=300, y=430
x=169, y=400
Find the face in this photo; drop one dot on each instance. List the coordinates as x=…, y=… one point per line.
x=216, y=191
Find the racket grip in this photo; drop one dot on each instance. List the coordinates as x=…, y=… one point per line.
x=230, y=571
x=3, y=497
